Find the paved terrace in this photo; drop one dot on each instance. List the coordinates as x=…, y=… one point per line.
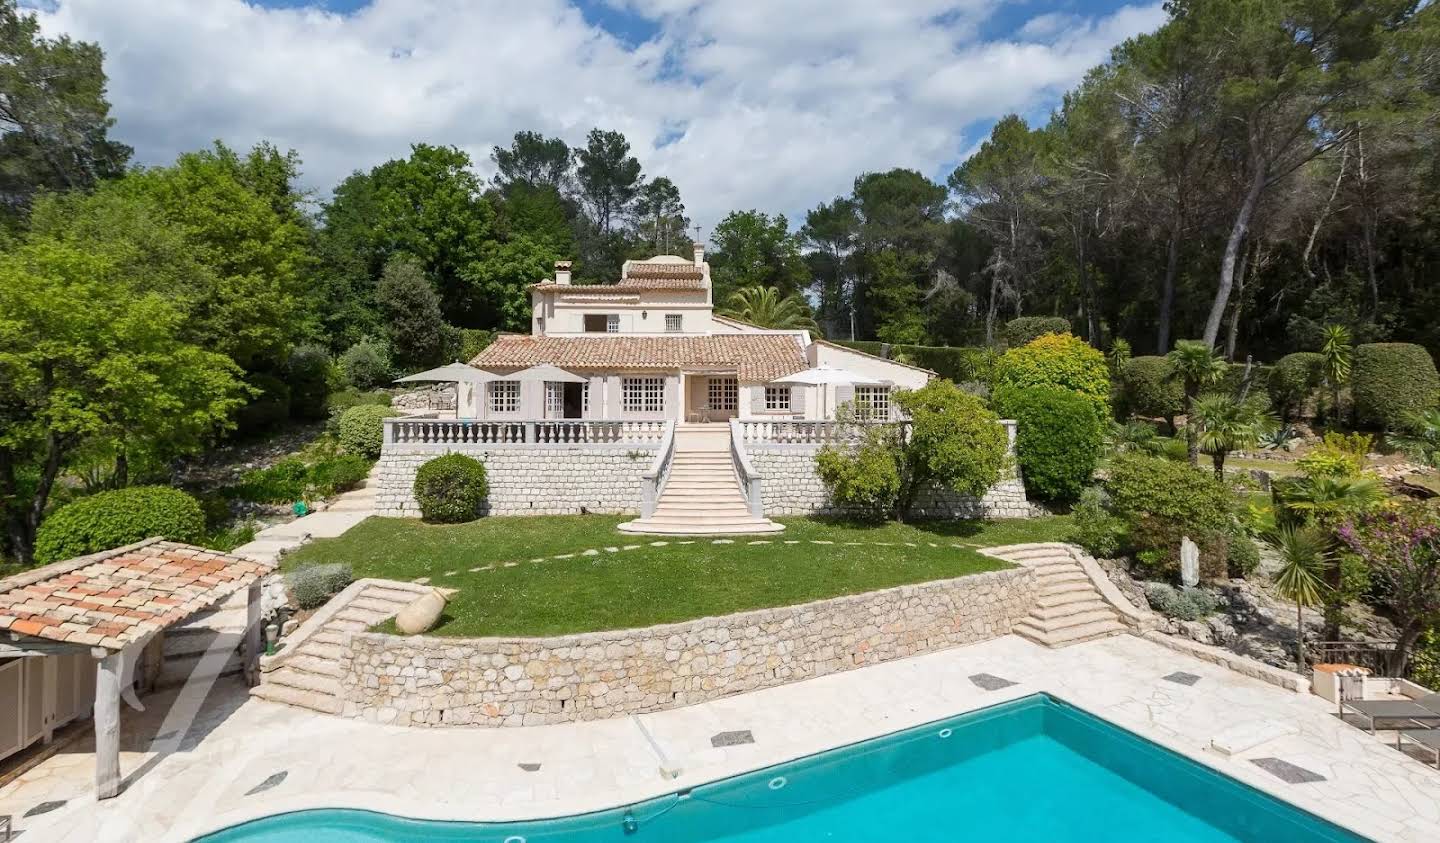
x=247, y=759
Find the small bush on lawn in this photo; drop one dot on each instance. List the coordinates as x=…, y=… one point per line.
x=1147, y=388
x=124, y=516
x=362, y=430
x=1185, y=604
x=366, y=364
x=1058, y=441
x=307, y=372
x=1293, y=382
x=1058, y=360
x=1160, y=501
x=1391, y=381
x=1023, y=329
x=450, y=489
x=311, y=587
x=1094, y=527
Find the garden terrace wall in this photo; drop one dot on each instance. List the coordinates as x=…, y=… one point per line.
x=422, y=681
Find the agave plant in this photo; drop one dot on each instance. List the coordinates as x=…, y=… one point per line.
x=1421, y=438
x=1279, y=438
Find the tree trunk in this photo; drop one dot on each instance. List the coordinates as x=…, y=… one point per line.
x=990, y=311
x=1238, y=231
x=122, y=470
x=1167, y=287
x=1299, y=637
x=1395, y=660
x=1218, y=458
x=1192, y=435
x=1324, y=212
x=1234, y=332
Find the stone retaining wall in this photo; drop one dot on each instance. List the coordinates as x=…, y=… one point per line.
x=421, y=681
x=540, y=480
x=791, y=486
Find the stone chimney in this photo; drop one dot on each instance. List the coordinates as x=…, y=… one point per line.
x=699, y=255
x=562, y=272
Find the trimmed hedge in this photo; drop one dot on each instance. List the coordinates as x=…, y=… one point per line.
x=1058, y=441
x=1390, y=381
x=1059, y=360
x=1023, y=329
x=1147, y=388
x=450, y=489
x=361, y=429
x=879, y=349
x=112, y=519
x=1160, y=501
x=1234, y=380
x=1293, y=382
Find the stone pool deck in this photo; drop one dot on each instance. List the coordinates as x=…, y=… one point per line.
x=249, y=758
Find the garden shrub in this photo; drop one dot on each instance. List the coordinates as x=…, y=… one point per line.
x=1293, y=382
x=295, y=478
x=1338, y=455
x=1148, y=389
x=313, y=586
x=472, y=341
x=350, y=397
x=267, y=408
x=1094, y=527
x=1242, y=379
x=862, y=479
x=1058, y=440
x=451, y=489
x=1242, y=555
x=1021, y=330
x=1185, y=604
x=366, y=364
x=1059, y=360
x=1160, y=501
x=121, y=517
x=1391, y=381
x=362, y=430
x=307, y=373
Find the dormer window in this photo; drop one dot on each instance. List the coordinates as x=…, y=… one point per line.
x=672, y=323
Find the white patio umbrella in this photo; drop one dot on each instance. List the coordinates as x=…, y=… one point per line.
x=547, y=372
x=456, y=372
x=826, y=375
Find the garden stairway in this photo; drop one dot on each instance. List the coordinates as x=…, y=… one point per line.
x=306, y=673
x=701, y=495
x=1069, y=607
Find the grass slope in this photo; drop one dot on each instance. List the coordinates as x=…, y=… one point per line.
x=650, y=585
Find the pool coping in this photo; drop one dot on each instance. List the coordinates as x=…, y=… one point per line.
x=370, y=801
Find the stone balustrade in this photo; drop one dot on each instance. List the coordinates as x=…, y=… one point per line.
x=443, y=434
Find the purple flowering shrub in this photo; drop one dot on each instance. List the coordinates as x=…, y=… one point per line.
x=1401, y=548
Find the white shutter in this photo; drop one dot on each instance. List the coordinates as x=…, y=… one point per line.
x=797, y=399
x=844, y=393
x=757, y=399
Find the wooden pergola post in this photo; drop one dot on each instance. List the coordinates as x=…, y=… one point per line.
x=109, y=677
x=252, y=634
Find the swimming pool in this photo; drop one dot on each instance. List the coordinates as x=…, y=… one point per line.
x=1034, y=769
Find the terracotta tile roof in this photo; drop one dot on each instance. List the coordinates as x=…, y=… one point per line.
x=661, y=276
x=119, y=596
x=757, y=358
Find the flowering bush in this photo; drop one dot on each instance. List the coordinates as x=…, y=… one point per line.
x=1401, y=547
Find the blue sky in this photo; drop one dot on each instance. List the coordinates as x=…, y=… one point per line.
x=771, y=104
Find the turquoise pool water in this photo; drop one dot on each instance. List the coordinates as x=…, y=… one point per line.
x=1036, y=769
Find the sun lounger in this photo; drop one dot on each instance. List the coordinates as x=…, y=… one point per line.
x=1424, y=712
x=1427, y=738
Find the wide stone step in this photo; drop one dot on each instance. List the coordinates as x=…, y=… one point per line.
x=320, y=650
x=332, y=637
x=303, y=680
x=1068, y=635
x=689, y=528
x=1044, y=582
x=373, y=604
x=1058, y=567
x=365, y=617
x=717, y=506
x=393, y=595
x=299, y=697
x=306, y=662
x=1075, y=593
x=1072, y=614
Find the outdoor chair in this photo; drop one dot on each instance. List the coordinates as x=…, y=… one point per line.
x=1427, y=738
x=1424, y=712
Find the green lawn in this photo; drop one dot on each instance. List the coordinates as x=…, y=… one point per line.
x=514, y=595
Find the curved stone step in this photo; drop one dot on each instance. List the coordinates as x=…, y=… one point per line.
x=312, y=663
x=303, y=680
x=1069, y=635
x=692, y=529
x=323, y=703
x=1072, y=615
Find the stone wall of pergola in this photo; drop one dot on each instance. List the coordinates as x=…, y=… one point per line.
x=110, y=605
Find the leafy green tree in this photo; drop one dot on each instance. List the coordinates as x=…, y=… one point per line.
x=660, y=219
x=54, y=118
x=831, y=232
x=86, y=357
x=534, y=161
x=764, y=306
x=1304, y=554
x=608, y=176
x=1196, y=366
x=753, y=249
x=1227, y=423
x=414, y=326
x=501, y=275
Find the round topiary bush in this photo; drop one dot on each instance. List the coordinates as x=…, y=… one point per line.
x=1390, y=381
x=362, y=429
x=1058, y=440
x=1148, y=389
x=1023, y=329
x=1293, y=382
x=112, y=519
x=366, y=364
x=450, y=489
x=1059, y=360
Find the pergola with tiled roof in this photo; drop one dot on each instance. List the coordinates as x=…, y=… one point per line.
x=112, y=603
x=756, y=358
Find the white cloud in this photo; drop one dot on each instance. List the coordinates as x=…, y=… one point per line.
x=781, y=104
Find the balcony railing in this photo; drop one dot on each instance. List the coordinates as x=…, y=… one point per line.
x=446, y=433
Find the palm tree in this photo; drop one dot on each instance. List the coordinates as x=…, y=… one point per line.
x=1321, y=503
x=1335, y=349
x=1228, y=424
x=1197, y=365
x=765, y=307
x=1304, y=555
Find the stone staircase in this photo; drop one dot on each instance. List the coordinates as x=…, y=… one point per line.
x=1069, y=608
x=306, y=673
x=701, y=495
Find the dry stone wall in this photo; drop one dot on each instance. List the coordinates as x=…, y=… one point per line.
x=792, y=486
x=540, y=480
x=421, y=681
